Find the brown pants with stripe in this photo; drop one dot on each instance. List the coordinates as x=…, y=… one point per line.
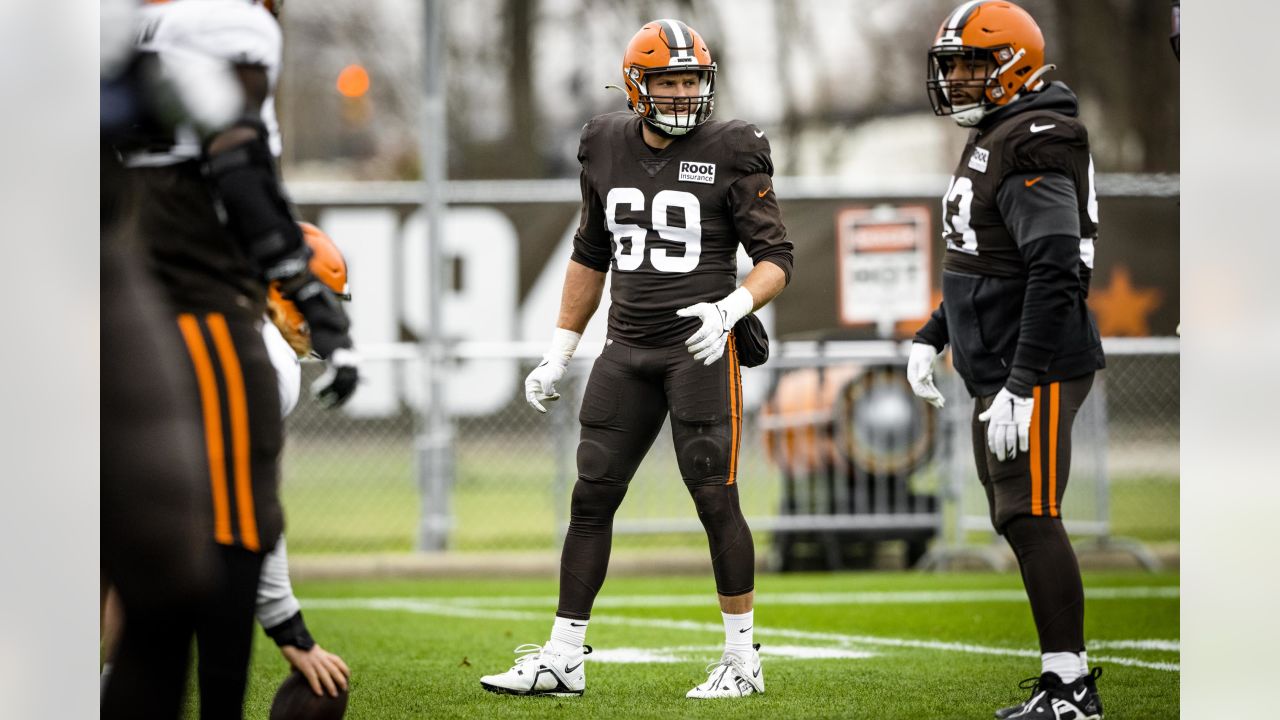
x=1033, y=482
x=631, y=392
x=239, y=404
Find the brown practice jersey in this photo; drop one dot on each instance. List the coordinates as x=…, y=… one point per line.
x=193, y=254
x=668, y=222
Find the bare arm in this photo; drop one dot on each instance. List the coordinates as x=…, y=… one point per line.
x=765, y=282
x=580, y=297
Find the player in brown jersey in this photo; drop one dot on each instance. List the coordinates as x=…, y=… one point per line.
x=208, y=205
x=1020, y=221
x=668, y=195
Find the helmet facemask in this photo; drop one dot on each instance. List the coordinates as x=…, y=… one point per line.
x=673, y=116
x=985, y=86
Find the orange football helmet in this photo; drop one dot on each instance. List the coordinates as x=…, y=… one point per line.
x=996, y=35
x=669, y=46
x=328, y=265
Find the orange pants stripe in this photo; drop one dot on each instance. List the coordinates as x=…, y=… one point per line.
x=735, y=408
x=239, y=412
x=1054, y=391
x=212, y=411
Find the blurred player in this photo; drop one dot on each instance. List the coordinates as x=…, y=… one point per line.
x=287, y=339
x=668, y=195
x=154, y=548
x=277, y=609
x=210, y=208
x=1020, y=220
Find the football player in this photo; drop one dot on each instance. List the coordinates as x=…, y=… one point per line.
x=208, y=205
x=668, y=195
x=1020, y=219
x=277, y=609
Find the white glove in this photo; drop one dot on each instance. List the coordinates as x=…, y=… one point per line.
x=718, y=318
x=1008, y=424
x=541, y=383
x=920, y=374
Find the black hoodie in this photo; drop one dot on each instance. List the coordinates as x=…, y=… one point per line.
x=1020, y=221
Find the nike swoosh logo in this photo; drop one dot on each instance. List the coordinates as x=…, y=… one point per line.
x=755, y=673
x=574, y=624
x=1080, y=695
x=1037, y=128
x=759, y=133
x=571, y=669
x=1029, y=183
x=764, y=192
x=747, y=630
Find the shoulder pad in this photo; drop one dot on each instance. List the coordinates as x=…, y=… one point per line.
x=237, y=33
x=1045, y=141
x=597, y=126
x=750, y=147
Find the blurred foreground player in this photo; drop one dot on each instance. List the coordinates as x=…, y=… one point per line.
x=277, y=609
x=154, y=546
x=668, y=195
x=1020, y=219
x=212, y=212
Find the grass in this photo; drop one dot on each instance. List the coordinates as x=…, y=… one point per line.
x=363, y=497
x=427, y=663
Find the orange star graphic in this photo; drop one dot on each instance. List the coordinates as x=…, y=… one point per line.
x=1121, y=308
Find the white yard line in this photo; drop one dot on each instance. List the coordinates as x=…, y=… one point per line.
x=448, y=609
x=826, y=598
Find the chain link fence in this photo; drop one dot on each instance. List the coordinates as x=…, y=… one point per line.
x=351, y=485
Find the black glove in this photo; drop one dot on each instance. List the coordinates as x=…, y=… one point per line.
x=328, y=326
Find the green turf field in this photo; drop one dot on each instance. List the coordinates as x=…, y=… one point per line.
x=869, y=645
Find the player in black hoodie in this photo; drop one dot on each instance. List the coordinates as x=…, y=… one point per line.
x=1020, y=219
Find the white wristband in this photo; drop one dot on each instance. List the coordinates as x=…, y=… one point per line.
x=563, y=344
x=737, y=305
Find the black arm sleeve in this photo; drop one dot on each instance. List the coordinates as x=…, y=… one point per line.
x=758, y=222
x=1041, y=213
x=244, y=179
x=592, y=244
x=292, y=632
x=934, y=331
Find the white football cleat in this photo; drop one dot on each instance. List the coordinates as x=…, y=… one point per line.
x=732, y=677
x=541, y=671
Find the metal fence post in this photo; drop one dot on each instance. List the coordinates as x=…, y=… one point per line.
x=435, y=440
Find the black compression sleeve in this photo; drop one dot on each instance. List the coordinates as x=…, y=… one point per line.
x=934, y=331
x=1052, y=282
x=244, y=179
x=292, y=632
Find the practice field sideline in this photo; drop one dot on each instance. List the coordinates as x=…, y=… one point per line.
x=883, y=645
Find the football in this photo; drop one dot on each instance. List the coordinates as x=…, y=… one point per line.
x=295, y=701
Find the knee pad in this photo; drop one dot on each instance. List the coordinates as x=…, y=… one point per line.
x=593, y=461
x=704, y=458
x=733, y=553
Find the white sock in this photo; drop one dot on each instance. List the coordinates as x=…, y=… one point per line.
x=1084, y=663
x=567, y=636
x=1066, y=665
x=738, y=633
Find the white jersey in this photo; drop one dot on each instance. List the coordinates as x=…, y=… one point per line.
x=276, y=602
x=189, y=34
x=288, y=367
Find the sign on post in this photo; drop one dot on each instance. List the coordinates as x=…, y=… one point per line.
x=882, y=257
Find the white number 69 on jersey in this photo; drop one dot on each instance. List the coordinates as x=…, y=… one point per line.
x=631, y=255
